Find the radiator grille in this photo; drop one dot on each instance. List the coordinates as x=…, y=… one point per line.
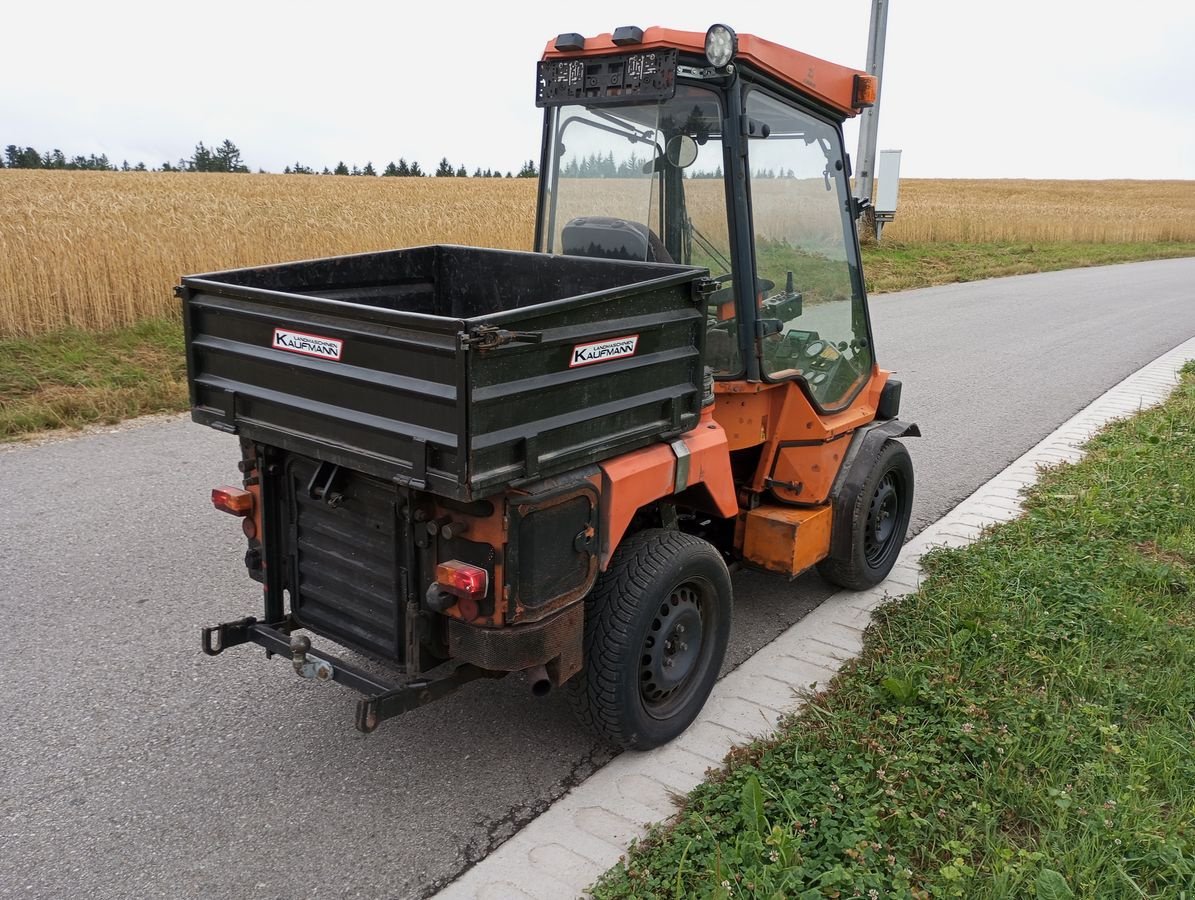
x=346, y=567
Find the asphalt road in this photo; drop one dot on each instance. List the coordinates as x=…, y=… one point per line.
x=133, y=766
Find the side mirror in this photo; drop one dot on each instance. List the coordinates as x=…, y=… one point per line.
x=681, y=150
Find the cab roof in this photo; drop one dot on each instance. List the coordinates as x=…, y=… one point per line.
x=828, y=83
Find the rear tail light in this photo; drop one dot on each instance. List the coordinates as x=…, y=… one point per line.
x=232, y=500
x=462, y=580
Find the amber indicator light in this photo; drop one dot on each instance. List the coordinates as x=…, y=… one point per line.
x=232, y=500
x=867, y=88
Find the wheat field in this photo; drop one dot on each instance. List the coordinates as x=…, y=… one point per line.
x=997, y=210
x=103, y=249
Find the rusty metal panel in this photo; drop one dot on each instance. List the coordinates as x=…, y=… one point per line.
x=805, y=472
x=519, y=646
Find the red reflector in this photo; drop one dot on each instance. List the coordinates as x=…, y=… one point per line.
x=232, y=500
x=462, y=579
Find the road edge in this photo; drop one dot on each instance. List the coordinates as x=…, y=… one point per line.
x=568, y=846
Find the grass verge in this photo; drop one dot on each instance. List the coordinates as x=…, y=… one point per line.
x=1022, y=726
x=895, y=266
x=72, y=378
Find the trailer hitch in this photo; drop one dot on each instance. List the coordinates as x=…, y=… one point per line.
x=383, y=699
x=373, y=710
x=315, y=668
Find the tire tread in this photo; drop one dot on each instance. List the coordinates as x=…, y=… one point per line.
x=638, y=565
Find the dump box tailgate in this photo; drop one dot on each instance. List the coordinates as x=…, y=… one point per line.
x=454, y=369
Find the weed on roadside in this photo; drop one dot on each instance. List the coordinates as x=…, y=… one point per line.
x=72, y=378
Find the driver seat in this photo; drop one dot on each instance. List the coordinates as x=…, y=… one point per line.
x=607, y=237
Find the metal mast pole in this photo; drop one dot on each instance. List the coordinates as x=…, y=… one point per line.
x=870, y=120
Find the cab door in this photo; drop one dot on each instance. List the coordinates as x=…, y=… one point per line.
x=811, y=303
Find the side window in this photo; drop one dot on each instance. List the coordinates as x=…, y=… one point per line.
x=803, y=253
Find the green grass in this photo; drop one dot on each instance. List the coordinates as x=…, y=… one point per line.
x=1023, y=726
x=892, y=266
x=73, y=378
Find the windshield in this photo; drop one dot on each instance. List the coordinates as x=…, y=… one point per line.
x=644, y=181
x=640, y=165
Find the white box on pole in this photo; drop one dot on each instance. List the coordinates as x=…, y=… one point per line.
x=889, y=182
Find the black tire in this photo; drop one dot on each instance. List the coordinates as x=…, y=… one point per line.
x=645, y=678
x=879, y=522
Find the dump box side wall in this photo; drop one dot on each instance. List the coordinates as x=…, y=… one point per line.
x=414, y=397
x=392, y=406
x=532, y=413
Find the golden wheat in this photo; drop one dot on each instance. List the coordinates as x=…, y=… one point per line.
x=1001, y=210
x=97, y=250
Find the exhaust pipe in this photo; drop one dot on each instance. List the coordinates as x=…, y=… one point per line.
x=541, y=684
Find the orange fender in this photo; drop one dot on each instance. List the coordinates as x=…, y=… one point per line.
x=633, y=480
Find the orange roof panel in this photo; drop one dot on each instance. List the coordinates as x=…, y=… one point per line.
x=828, y=83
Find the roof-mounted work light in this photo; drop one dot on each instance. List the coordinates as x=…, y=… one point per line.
x=627, y=34
x=570, y=40
x=721, y=44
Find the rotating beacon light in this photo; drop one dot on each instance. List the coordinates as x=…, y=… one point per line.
x=721, y=44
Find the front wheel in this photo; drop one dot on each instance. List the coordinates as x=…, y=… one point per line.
x=879, y=522
x=656, y=627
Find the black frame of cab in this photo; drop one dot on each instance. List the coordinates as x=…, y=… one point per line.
x=732, y=85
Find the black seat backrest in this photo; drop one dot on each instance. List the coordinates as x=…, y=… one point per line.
x=609, y=238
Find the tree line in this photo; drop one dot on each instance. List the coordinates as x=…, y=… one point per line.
x=227, y=158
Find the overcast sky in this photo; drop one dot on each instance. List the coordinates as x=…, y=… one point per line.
x=1043, y=89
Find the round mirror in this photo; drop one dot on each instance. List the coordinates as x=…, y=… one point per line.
x=681, y=151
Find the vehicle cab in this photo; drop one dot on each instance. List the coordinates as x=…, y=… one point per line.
x=723, y=151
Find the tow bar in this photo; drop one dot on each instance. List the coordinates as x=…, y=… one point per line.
x=383, y=700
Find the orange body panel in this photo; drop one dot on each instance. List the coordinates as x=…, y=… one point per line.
x=786, y=539
x=812, y=466
x=754, y=413
x=633, y=480
x=828, y=83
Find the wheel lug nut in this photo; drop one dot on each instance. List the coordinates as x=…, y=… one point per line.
x=668, y=664
x=684, y=647
x=680, y=629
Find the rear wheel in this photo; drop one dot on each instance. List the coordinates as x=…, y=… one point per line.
x=879, y=522
x=656, y=626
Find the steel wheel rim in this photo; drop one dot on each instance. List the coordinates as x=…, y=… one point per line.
x=676, y=649
x=883, y=516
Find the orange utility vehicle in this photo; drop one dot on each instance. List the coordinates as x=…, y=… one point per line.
x=463, y=463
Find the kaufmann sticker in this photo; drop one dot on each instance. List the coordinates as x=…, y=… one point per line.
x=615, y=348
x=307, y=344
